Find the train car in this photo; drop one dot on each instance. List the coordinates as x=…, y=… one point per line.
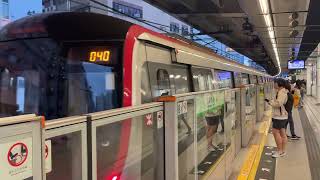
x=73, y=63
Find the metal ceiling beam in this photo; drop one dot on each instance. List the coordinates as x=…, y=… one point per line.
x=211, y=33
x=282, y=38
x=191, y=4
x=296, y=43
x=224, y=15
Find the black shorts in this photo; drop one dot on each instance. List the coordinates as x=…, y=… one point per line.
x=279, y=124
x=212, y=120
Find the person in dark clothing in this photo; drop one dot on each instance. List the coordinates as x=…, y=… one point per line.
x=289, y=106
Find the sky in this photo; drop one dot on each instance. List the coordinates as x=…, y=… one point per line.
x=20, y=8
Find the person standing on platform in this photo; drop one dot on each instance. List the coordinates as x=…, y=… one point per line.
x=279, y=117
x=303, y=91
x=289, y=106
x=296, y=95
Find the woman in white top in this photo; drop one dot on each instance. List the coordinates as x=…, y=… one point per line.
x=279, y=117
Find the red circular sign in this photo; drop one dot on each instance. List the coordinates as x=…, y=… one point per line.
x=17, y=154
x=46, y=152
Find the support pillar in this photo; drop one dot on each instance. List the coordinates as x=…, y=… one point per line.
x=318, y=77
x=309, y=80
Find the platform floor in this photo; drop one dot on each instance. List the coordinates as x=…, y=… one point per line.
x=302, y=161
x=295, y=165
x=303, y=156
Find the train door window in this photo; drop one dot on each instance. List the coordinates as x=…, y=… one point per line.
x=210, y=81
x=145, y=91
x=202, y=79
x=237, y=79
x=245, y=78
x=260, y=81
x=253, y=79
x=181, y=79
x=163, y=81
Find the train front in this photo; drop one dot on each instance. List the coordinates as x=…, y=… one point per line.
x=63, y=64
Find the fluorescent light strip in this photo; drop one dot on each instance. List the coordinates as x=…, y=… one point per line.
x=264, y=6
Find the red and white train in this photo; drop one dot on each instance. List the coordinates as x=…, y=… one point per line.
x=71, y=63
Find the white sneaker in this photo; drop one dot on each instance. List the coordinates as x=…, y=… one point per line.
x=276, y=155
x=211, y=148
x=283, y=154
x=217, y=147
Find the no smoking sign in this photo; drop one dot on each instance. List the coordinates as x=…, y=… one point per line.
x=16, y=159
x=17, y=154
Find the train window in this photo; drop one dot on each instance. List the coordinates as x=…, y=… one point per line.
x=91, y=85
x=244, y=78
x=145, y=91
x=260, y=80
x=202, y=79
x=224, y=78
x=181, y=79
x=253, y=79
x=210, y=82
x=36, y=78
x=23, y=72
x=163, y=81
x=237, y=79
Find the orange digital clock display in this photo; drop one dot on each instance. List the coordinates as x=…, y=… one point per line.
x=99, y=56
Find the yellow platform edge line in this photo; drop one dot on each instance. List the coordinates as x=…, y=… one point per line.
x=247, y=165
x=250, y=166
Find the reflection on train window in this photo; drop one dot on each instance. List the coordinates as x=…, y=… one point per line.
x=91, y=88
x=224, y=79
x=202, y=79
x=210, y=82
x=20, y=93
x=253, y=79
x=181, y=80
x=237, y=79
x=202, y=82
x=163, y=81
x=245, y=78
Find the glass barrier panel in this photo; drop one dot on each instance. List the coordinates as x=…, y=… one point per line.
x=128, y=150
x=238, y=120
x=250, y=105
x=65, y=152
x=186, y=137
x=230, y=126
x=210, y=134
x=262, y=104
x=253, y=103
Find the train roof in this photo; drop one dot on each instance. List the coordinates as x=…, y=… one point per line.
x=66, y=26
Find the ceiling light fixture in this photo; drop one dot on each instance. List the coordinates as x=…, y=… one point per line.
x=264, y=6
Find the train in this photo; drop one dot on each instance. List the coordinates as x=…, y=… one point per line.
x=64, y=64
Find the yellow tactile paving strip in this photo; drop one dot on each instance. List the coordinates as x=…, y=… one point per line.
x=250, y=165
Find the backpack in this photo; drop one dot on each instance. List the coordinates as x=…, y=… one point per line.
x=289, y=104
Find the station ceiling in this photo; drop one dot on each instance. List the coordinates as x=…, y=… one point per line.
x=227, y=21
